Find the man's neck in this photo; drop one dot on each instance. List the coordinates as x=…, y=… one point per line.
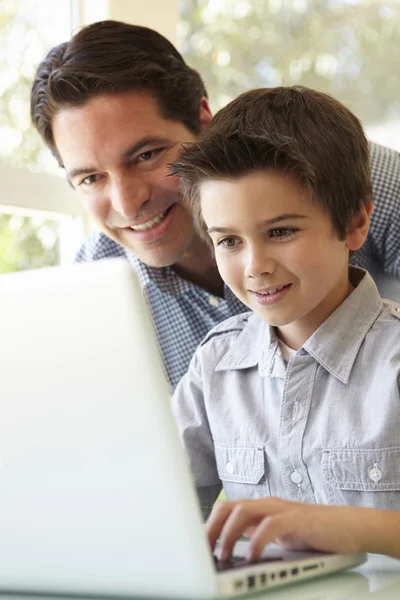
x=198, y=266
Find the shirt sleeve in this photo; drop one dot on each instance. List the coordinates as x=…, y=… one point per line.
x=192, y=420
x=383, y=242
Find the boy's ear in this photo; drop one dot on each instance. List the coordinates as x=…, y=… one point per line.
x=205, y=113
x=359, y=226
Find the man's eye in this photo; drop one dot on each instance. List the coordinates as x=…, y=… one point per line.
x=90, y=179
x=146, y=156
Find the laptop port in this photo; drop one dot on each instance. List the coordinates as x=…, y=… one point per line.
x=310, y=567
x=263, y=578
x=251, y=581
x=282, y=574
x=295, y=571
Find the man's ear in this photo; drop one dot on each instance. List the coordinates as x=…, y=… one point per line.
x=359, y=226
x=205, y=113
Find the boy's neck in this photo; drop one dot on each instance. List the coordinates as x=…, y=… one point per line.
x=296, y=334
x=198, y=266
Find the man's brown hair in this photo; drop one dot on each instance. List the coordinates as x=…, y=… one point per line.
x=111, y=56
x=296, y=130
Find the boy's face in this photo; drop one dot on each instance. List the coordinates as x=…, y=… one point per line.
x=277, y=251
x=116, y=149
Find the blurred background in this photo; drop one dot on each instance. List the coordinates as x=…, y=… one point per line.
x=348, y=48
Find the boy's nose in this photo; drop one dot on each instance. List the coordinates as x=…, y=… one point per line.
x=259, y=264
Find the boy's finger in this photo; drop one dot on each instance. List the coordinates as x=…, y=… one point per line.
x=241, y=516
x=270, y=528
x=216, y=521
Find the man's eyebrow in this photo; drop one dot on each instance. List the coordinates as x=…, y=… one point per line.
x=146, y=141
x=82, y=171
x=269, y=222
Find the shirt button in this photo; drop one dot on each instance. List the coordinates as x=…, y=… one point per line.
x=296, y=477
x=230, y=468
x=213, y=301
x=375, y=474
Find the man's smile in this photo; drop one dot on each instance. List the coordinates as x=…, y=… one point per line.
x=154, y=228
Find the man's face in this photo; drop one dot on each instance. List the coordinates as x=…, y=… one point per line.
x=277, y=251
x=116, y=150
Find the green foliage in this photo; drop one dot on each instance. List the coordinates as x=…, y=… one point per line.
x=347, y=48
x=27, y=243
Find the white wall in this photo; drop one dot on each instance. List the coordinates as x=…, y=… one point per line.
x=161, y=15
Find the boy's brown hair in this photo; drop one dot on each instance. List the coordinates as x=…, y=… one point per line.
x=292, y=129
x=111, y=56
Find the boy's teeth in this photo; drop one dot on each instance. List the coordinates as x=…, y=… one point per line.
x=273, y=291
x=151, y=223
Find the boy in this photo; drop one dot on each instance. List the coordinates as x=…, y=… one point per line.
x=299, y=399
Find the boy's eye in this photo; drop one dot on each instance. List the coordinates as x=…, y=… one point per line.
x=228, y=242
x=282, y=232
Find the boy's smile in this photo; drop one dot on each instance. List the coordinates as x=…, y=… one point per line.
x=277, y=250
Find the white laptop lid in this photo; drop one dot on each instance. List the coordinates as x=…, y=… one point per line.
x=95, y=491
x=92, y=498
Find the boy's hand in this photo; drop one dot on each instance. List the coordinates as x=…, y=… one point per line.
x=293, y=525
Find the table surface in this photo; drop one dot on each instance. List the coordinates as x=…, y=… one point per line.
x=378, y=578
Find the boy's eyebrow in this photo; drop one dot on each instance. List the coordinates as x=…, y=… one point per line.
x=146, y=141
x=273, y=221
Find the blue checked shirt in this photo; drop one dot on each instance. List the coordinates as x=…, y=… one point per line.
x=183, y=313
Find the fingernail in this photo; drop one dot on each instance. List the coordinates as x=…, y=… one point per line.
x=250, y=557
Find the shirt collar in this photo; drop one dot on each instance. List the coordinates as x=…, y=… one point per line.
x=257, y=344
x=334, y=345
x=166, y=279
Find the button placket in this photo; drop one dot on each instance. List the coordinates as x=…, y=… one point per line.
x=295, y=409
x=296, y=477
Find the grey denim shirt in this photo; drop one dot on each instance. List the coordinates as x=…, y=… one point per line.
x=325, y=427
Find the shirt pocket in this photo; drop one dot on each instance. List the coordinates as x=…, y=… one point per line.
x=242, y=470
x=363, y=477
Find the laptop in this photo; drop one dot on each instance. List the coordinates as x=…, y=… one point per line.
x=96, y=497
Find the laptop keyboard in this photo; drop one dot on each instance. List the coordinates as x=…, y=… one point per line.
x=237, y=562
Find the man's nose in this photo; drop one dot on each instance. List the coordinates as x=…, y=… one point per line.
x=259, y=262
x=128, y=196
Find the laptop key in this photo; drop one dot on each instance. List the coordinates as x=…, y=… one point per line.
x=237, y=562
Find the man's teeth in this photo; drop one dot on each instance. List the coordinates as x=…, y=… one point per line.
x=273, y=291
x=151, y=223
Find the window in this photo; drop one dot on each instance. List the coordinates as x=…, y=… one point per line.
x=40, y=221
x=347, y=48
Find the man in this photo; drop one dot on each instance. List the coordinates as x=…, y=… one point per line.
x=115, y=104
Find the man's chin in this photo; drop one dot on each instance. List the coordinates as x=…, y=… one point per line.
x=156, y=260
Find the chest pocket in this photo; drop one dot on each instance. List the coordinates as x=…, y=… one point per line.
x=359, y=477
x=242, y=470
